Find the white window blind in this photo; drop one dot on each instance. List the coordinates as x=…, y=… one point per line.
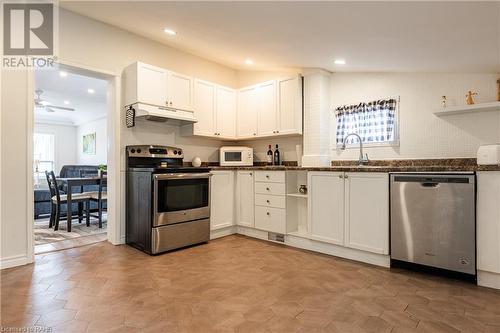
x=44, y=152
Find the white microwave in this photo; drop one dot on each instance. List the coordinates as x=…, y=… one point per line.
x=236, y=156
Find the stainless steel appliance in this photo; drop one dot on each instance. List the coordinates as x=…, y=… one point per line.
x=433, y=221
x=168, y=204
x=235, y=156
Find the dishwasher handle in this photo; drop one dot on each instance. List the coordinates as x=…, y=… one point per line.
x=429, y=184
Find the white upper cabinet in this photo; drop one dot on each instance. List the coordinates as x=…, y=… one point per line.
x=290, y=105
x=267, y=111
x=225, y=122
x=245, y=198
x=145, y=84
x=204, y=108
x=180, y=91
x=367, y=211
x=247, y=112
x=221, y=199
x=326, y=206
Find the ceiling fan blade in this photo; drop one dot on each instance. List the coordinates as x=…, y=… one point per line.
x=60, y=107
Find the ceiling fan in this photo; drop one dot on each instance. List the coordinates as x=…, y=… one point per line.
x=42, y=104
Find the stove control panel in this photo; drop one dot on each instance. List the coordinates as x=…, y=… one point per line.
x=154, y=152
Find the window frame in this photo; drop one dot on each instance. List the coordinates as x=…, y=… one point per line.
x=393, y=143
x=54, y=162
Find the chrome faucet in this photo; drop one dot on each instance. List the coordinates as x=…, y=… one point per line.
x=363, y=159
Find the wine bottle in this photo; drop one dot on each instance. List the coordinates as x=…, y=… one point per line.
x=277, y=156
x=269, y=156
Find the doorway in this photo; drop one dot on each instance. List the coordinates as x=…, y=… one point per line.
x=73, y=126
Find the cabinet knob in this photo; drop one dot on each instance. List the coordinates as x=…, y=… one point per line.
x=277, y=131
x=268, y=213
x=170, y=103
x=268, y=201
x=250, y=174
x=346, y=176
x=255, y=134
x=340, y=176
x=267, y=176
x=267, y=189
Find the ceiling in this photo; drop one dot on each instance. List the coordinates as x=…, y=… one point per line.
x=74, y=89
x=370, y=36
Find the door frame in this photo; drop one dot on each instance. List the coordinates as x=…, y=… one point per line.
x=113, y=154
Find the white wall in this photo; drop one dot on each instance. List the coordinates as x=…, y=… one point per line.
x=423, y=135
x=99, y=127
x=65, y=143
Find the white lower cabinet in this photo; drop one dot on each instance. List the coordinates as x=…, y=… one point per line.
x=326, y=206
x=245, y=198
x=270, y=219
x=350, y=209
x=488, y=223
x=221, y=199
x=270, y=206
x=367, y=211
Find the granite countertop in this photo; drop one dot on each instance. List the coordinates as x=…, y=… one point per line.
x=430, y=165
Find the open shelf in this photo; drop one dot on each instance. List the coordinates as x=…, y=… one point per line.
x=466, y=109
x=297, y=195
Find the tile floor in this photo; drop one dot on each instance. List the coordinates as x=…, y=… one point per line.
x=235, y=284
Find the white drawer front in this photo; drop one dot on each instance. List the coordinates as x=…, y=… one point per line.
x=270, y=176
x=270, y=188
x=276, y=201
x=270, y=219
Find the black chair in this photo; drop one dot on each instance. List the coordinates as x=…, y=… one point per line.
x=101, y=195
x=57, y=200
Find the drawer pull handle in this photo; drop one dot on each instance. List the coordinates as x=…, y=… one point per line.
x=268, y=201
x=267, y=188
x=267, y=176
x=268, y=213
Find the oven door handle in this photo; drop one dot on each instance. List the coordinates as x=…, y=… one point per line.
x=182, y=176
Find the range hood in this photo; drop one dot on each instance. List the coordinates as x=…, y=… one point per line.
x=158, y=114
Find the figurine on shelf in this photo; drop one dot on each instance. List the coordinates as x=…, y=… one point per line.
x=469, y=99
x=443, y=101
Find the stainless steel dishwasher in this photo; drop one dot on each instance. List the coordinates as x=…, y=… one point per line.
x=433, y=221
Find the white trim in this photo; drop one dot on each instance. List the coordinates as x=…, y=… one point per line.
x=222, y=232
x=30, y=196
x=14, y=261
x=488, y=279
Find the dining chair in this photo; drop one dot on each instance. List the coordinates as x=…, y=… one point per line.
x=58, y=199
x=101, y=195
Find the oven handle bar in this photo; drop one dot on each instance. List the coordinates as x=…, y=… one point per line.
x=182, y=175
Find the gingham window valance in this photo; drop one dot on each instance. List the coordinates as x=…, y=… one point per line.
x=373, y=121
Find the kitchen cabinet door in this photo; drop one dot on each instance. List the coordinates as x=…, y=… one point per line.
x=226, y=112
x=290, y=105
x=488, y=222
x=180, y=91
x=267, y=111
x=245, y=198
x=326, y=206
x=204, y=108
x=145, y=84
x=367, y=211
x=247, y=113
x=221, y=199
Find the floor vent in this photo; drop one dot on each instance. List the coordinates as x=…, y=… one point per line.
x=276, y=237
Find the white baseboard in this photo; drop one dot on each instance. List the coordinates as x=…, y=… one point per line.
x=488, y=279
x=222, y=232
x=14, y=261
x=338, y=251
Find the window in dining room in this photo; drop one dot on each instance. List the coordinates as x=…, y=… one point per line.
x=44, y=155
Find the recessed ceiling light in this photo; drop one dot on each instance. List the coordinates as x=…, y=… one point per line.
x=63, y=74
x=339, y=62
x=249, y=62
x=66, y=102
x=169, y=31
x=90, y=91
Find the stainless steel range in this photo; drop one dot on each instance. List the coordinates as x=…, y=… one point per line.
x=168, y=205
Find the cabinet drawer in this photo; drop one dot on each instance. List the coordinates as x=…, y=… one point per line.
x=270, y=176
x=270, y=219
x=276, y=201
x=270, y=188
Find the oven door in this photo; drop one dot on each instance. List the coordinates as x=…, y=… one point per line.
x=181, y=197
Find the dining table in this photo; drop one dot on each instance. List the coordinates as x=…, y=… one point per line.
x=73, y=182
